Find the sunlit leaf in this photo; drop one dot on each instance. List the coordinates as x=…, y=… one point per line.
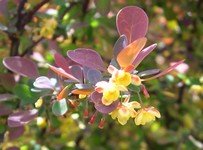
x=143, y=54
x=83, y=91
x=165, y=71
x=43, y=83
x=60, y=107
x=21, y=66
x=21, y=117
x=87, y=57
x=62, y=94
x=129, y=53
x=132, y=21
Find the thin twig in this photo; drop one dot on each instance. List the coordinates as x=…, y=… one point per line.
x=29, y=48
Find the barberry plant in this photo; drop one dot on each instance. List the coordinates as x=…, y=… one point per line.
x=83, y=80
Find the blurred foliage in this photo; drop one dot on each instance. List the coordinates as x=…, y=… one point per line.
x=62, y=25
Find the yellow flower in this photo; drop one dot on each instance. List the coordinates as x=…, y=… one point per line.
x=122, y=77
x=111, y=91
x=125, y=110
x=39, y=103
x=82, y=96
x=146, y=115
x=41, y=122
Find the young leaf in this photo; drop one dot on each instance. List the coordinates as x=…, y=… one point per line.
x=87, y=57
x=143, y=54
x=21, y=66
x=62, y=94
x=148, y=72
x=129, y=53
x=120, y=44
x=132, y=21
x=60, y=107
x=165, y=71
x=21, y=117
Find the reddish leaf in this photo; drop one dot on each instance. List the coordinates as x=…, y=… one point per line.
x=62, y=94
x=63, y=73
x=21, y=66
x=87, y=57
x=120, y=44
x=83, y=91
x=132, y=21
x=77, y=72
x=129, y=53
x=165, y=71
x=22, y=117
x=62, y=62
x=7, y=81
x=143, y=54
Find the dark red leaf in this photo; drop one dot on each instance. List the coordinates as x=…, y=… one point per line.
x=62, y=62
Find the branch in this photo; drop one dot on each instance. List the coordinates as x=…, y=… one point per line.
x=30, y=14
x=29, y=48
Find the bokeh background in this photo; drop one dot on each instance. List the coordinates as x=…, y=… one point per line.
x=52, y=26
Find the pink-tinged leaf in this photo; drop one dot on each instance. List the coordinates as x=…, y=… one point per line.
x=77, y=72
x=22, y=117
x=16, y=132
x=5, y=110
x=143, y=54
x=43, y=83
x=165, y=71
x=99, y=106
x=132, y=21
x=61, y=62
x=94, y=76
x=182, y=68
x=120, y=44
x=103, y=6
x=129, y=53
x=21, y=66
x=87, y=57
x=6, y=96
x=62, y=73
x=148, y=72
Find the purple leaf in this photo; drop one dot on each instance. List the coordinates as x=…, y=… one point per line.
x=120, y=44
x=5, y=110
x=6, y=96
x=43, y=83
x=87, y=57
x=148, y=72
x=77, y=72
x=94, y=76
x=99, y=106
x=21, y=66
x=22, y=117
x=165, y=71
x=83, y=86
x=143, y=54
x=16, y=132
x=61, y=62
x=7, y=81
x=132, y=21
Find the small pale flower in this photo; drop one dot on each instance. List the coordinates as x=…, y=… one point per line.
x=146, y=115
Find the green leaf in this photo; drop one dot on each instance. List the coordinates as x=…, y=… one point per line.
x=25, y=94
x=60, y=107
x=134, y=88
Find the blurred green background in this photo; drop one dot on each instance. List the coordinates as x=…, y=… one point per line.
x=61, y=25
